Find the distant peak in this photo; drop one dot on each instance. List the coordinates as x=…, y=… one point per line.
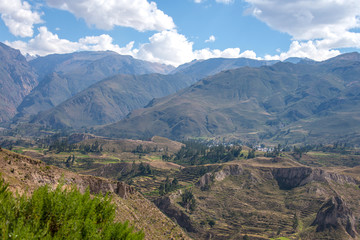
x=352, y=56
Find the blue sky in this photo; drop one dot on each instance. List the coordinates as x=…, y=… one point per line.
x=178, y=31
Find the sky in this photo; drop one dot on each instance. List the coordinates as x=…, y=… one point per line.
x=178, y=31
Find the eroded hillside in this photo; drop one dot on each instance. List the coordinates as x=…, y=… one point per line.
x=24, y=174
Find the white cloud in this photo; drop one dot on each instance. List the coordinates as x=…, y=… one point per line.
x=138, y=14
x=309, y=49
x=225, y=1
x=211, y=39
x=218, y=1
x=304, y=19
x=167, y=47
x=170, y=47
x=18, y=17
x=48, y=43
x=317, y=27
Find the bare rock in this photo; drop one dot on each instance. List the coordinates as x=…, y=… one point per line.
x=230, y=170
x=335, y=214
x=289, y=178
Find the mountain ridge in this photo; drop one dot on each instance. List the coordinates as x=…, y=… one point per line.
x=17, y=79
x=254, y=103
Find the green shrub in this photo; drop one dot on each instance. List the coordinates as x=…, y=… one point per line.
x=60, y=214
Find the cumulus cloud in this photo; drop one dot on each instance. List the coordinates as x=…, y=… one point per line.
x=308, y=20
x=48, y=43
x=170, y=47
x=19, y=17
x=317, y=27
x=310, y=49
x=211, y=39
x=167, y=47
x=138, y=14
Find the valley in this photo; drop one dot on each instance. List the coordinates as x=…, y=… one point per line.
x=260, y=196
x=222, y=148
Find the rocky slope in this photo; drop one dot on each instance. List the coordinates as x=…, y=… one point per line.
x=17, y=79
x=25, y=174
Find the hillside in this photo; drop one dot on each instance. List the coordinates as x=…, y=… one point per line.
x=24, y=174
x=110, y=100
x=269, y=198
x=282, y=102
x=261, y=197
x=17, y=79
x=61, y=76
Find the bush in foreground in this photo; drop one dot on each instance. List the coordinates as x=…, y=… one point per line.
x=60, y=214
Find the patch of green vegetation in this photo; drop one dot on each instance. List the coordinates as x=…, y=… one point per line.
x=197, y=153
x=60, y=214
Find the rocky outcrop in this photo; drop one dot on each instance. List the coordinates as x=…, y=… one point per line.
x=289, y=178
x=335, y=214
x=166, y=206
x=230, y=170
x=103, y=186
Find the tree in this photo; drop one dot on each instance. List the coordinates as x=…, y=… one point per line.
x=251, y=154
x=211, y=223
x=188, y=200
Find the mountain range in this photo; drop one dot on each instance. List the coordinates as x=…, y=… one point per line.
x=61, y=76
x=284, y=101
x=252, y=100
x=110, y=100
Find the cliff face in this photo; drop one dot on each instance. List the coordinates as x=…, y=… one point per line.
x=289, y=178
x=167, y=205
x=25, y=174
x=335, y=214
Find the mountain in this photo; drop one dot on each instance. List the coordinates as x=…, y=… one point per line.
x=25, y=174
x=61, y=76
x=199, y=69
x=285, y=101
x=296, y=60
x=100, y=109
x=111, y=100
x=17, y=79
